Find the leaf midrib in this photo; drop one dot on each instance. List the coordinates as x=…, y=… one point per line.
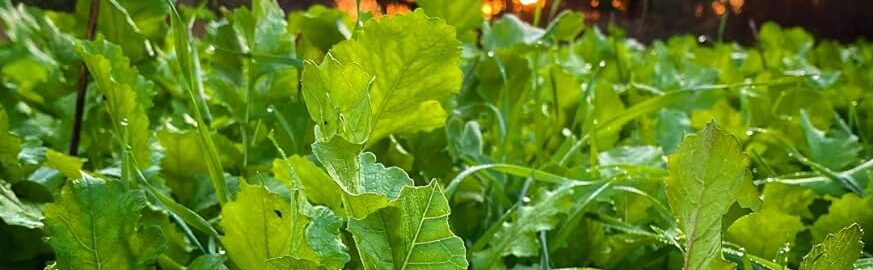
x=418, y=230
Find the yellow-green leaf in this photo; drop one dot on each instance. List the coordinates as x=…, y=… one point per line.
x=704, y=175
x=415, y=60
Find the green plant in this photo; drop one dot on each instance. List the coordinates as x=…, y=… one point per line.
x=432, y=139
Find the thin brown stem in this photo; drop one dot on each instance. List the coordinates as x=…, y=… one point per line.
x=83, y=82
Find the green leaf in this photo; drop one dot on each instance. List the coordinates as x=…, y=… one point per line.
x=188, y=60
x=289, y=262
x=764, y=233
x=181, y=165
x=410, y=233
x=567, y=26
x=337, y=97
x=129, y=23
x=367, y=185
x=10, y=146
x=260, y=225
x=507, y=31
x=95, y=224
x=318, y=186
x=847, y=210
x=321, y=26
x=128, y=95
x=835, y=150
x=790, y=199
x=323, y=236
x=70, y=166
x=208, y=262
x=464, y=15
x=15, y=212
x=837, y=252
x=518, y=237
x=703, y=177
x=415, y=60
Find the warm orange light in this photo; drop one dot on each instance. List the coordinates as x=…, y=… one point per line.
x=619, y=5
x=698, y=11
x=392, y=9
x=594, y=15
x=527, y=2
x=737, y=5
x=491, y=8
x=595, y=3
x=367, y=6
x=718, y=7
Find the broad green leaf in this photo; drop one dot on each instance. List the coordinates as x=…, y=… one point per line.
x=367, y=185
x=15, y=212
x=507, y=31
x=323, y=236
x=518, y=236
x=566, y=26
x=835, y=150
x=68, y=165
x=289, y=262
x=748, y=195
x=337, y=98
x=464, y=15
x=415, y=60
x=128, y=96
x=703, y=177
x=764, y=233
x=847, y=210
x=260, y=225
x=789, y=199
x=671, y=128
x=95, y=224
x=208, y=262
x=837, y=252
x=10, y=146
x=412, y=232
x=177, y=247
x=181, y=165
x=318, y=186
x=321, y=26
x=129, y=23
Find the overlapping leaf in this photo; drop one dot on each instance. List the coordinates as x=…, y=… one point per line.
x=412, y=232
x=368, y=186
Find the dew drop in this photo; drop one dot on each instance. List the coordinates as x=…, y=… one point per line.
x=750, y=132
x=602, y=63
x=490, y=53
x=270, y=109
x=526, y=199
x=124, y=122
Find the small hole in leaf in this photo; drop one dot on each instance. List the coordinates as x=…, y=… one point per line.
x=278, y=213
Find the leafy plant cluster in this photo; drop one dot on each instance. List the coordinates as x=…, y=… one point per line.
x=430, y=139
